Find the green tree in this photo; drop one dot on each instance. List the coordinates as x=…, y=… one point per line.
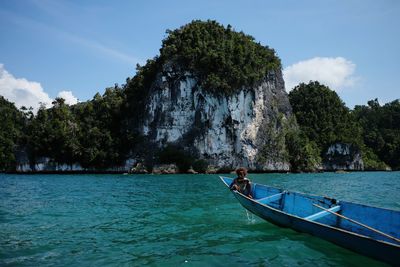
x=12, y=122
x=322, y=116
x=224, y=60
x=54, y=133
x=304, y=155
x=103, y=143
x=381, y=130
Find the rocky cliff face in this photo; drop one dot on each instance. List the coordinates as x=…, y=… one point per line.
x=341, y=156
x=228, y=130
x=48, y=165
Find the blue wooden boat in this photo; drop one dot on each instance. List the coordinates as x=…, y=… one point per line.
x=371, y=231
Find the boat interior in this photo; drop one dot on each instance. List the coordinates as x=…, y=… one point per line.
x=320, y=209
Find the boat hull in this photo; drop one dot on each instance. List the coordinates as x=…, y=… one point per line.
x=377, y=249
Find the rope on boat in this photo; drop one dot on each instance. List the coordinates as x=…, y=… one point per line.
x=358, y=223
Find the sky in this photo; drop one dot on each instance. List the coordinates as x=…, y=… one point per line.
x=74, y=49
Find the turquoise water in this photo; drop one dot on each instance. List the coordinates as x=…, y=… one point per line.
x=168, y=220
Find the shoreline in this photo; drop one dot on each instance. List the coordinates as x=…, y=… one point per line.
x=152, y=173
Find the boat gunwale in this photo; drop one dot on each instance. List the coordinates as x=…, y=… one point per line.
x=313, y=195
x=303, y=219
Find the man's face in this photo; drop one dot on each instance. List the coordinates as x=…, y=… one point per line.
x=241, y=174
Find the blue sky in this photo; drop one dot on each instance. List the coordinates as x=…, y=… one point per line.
x=74, y=49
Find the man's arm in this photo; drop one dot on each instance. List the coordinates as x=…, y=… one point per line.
x=250, y=189
x=233, y=185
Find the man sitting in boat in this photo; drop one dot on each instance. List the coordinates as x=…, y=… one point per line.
x=241, y=183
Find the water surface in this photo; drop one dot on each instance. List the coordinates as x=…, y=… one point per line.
x=168, y=220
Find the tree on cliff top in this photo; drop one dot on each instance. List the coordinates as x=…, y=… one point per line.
x=223, y=59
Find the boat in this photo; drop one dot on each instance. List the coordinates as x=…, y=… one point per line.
x=371, y=231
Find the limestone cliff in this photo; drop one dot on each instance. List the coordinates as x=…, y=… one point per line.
x=227, y=130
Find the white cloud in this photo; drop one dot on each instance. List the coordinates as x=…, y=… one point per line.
x=21, y=91
x=26, y=93
x=337, y=73
x=70, y=99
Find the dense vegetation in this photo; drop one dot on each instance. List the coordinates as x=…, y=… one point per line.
x=223, y=59
x=323, y=116
x=381, y=129
x=87, y=133
x=12, y=122
x=136, y=90
x=103, y=140
x=324, y=119
x=304, y=154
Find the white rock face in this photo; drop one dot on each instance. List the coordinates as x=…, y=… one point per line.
x=227, y=130
x=341, y=156
x=46, y=164
x=339, y=148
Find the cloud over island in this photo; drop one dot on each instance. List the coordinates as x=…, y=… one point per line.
x=337, y=73
x=23, y=92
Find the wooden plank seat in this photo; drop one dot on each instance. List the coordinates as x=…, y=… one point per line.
x=323, y=213
x=266, y=200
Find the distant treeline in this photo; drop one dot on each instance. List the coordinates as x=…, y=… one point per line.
x=88, y=132
x=95, y=133
x=324, y=119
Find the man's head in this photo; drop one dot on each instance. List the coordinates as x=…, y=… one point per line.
x=241, y=172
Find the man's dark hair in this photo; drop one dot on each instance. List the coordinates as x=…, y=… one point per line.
x=241, y=169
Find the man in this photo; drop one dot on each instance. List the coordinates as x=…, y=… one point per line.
x=241, y=183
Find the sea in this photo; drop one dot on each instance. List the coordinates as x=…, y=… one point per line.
x=169, y=220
